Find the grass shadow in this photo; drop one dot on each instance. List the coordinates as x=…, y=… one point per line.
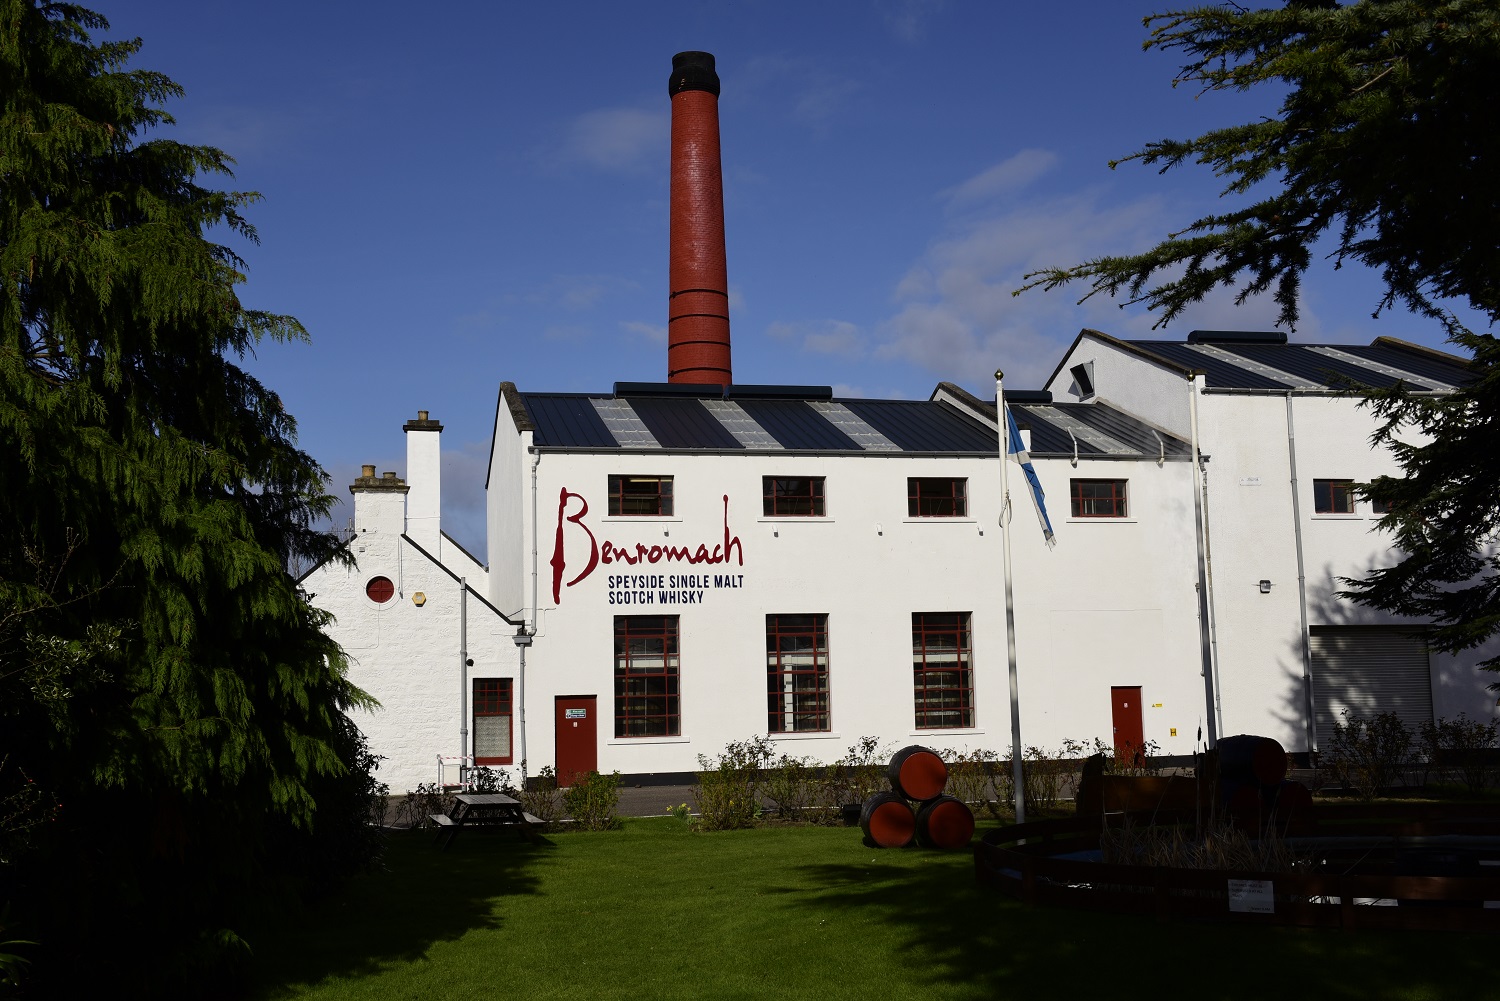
x=420, y=896
x=976, y=943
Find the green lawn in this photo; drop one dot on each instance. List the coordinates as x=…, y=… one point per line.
x=656, y=911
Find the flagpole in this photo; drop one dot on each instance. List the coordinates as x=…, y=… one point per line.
x=1003, y=421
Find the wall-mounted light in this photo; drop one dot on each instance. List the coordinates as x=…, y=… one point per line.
x=1265, y=587
x=418, y=598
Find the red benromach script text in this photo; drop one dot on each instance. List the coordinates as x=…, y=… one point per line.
x=611, y=552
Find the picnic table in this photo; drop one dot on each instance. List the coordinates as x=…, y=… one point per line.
x=486, y=809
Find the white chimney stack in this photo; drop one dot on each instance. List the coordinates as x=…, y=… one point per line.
x=424, y=477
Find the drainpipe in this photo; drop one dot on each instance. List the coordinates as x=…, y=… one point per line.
x=528, y=630
x=1307, y=682
x=1213, y=604
x=1200, y=532
x=463, y=673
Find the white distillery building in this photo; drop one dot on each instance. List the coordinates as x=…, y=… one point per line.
x=689, y=565
x=677, y=565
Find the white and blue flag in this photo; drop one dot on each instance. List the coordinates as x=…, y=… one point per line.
x=1016, y=451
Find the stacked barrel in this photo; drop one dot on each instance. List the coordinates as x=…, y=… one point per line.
x=1253, y=787
x=916, y=808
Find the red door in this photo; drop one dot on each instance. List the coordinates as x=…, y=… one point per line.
x=1130, y=731
x=577, y=736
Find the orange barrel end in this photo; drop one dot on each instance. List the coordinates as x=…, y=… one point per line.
x=887, y=820
x=945, y=823
x=918, y=773
x=1259, y=761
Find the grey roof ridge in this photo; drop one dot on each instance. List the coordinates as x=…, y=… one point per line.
x=1127, y=346
x=1433, y=354
x=511, y=397
x=443, y=567
x=463, y=549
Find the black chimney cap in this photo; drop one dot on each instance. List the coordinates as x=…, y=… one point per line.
x=693, y=71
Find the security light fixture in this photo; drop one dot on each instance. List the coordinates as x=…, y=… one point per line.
x=1265, y=587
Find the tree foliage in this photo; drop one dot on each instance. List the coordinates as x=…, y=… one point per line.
x=1386, y=149
x=1385, y=144
x=165, y=689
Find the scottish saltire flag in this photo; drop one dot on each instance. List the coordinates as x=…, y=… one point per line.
x=1016, y=451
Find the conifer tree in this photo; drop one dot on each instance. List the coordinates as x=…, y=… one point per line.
x=174, y=734
x=1385, y=153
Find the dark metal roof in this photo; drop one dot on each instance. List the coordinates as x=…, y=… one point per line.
x=795, y=425
x=880, y=427
x=924, y=426
x=682, y=423
x=567, y=421
x=1260, y=364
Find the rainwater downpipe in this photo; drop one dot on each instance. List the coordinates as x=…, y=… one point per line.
x=463, y=674
x=1307, y=682
x=529, y=627
x=1213, y=604
x=1210, y=690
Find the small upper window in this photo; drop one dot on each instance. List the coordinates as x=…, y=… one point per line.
x=1098, y=498
x=380, y=590
x=648, y=496
x=937, y=497
x=792, y=498
x=1333, y=496
x=1380, y=506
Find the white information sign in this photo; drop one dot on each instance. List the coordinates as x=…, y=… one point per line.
x=1251, y=896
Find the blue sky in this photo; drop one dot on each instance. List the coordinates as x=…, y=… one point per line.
x=462, y=194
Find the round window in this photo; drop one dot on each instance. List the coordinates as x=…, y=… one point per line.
x=380, y=590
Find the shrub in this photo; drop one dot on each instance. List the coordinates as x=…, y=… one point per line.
x=591, y=801
x=728, y=789
x=971, y=775
x=1221, y=846
x=539, y=798
x=421, y=803
x=1367, y=754
x=1463, y=744
x=791, y=787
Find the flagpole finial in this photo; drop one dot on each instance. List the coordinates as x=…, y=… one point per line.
x=999, y=375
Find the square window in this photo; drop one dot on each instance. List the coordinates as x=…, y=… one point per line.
x=1333, y=496
x=787, y=497
x=646, y=662
x=797, y=697
x=937, y=497
x=640, y=496
x=1098, y=498
x=942, y=670
x=492, y=721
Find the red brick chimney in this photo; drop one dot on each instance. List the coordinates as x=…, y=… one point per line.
x=698, y=307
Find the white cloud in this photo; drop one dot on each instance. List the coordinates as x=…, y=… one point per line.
x=1004, y=178
x=955, y=312
x=826, y=337
x=650, y=331
x=907, y=19
x=626, y=139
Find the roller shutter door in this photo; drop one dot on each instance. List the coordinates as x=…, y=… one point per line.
x=1368, y=670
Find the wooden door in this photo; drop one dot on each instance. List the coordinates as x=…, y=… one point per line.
x=577, y=736
x=1130, y=730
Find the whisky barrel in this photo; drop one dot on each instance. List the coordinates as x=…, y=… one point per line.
x=918, y=773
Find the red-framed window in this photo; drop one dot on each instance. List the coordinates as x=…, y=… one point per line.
x=492, y=721
x=380, y=590
x=1380, y=506
x=646, y=676
x=786, y=497
x=942, y=669
x=640, y=496
x=937, y=497
x=1333, y=496
x=1098, y=498
x=797, y=673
